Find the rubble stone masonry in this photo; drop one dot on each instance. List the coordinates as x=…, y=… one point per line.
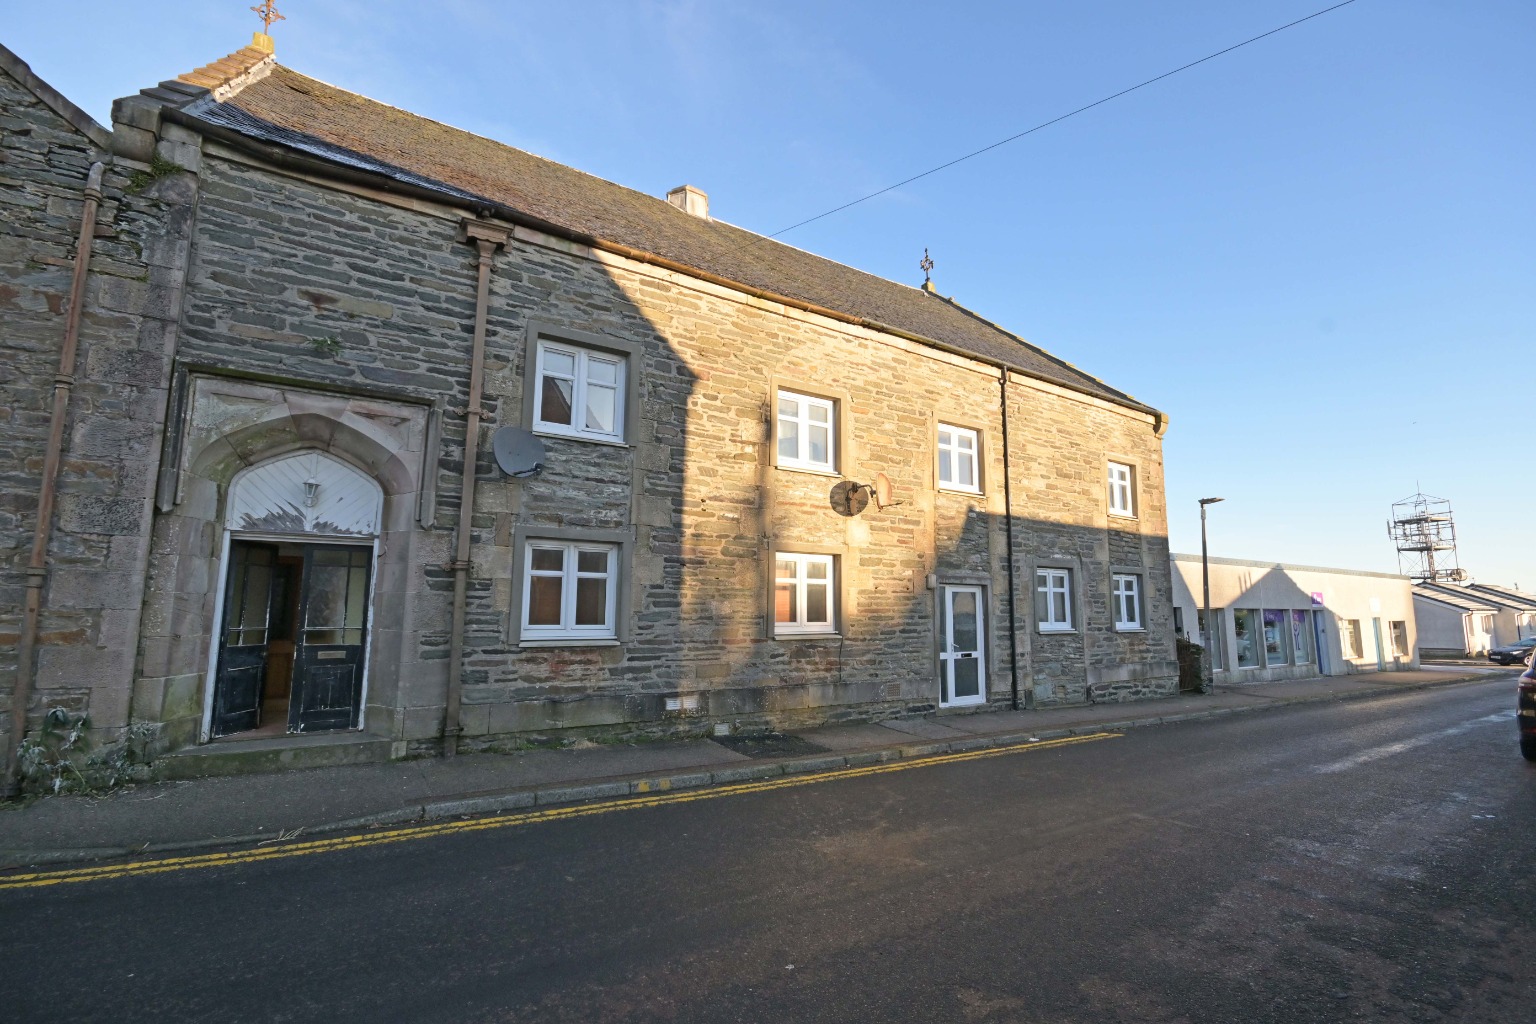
x=237, y=312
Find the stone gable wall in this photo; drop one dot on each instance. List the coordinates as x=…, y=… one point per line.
x=99, y=542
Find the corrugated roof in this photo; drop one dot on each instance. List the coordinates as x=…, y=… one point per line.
x=293, y=110
x=1456, y=597
x=1508, y=595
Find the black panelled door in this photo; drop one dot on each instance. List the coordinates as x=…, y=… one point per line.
x=243, y=639
x=328, y=657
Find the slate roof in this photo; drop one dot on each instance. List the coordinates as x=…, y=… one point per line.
x=292, y=110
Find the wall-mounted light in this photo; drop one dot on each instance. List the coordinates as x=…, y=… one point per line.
x=311, y=492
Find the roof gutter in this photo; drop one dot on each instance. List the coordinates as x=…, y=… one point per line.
x=294, y=160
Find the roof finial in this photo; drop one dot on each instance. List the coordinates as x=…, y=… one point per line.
x=268, y=14
x=261, y=41
x=927, y=265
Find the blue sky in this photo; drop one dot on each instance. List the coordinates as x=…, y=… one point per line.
x=1317, y=253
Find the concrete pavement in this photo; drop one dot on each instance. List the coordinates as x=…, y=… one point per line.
x=255, y=808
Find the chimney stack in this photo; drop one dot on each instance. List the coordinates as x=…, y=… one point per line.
x=690, y=200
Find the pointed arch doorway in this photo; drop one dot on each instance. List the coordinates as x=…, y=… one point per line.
x=295, y=598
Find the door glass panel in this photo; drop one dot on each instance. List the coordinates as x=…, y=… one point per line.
x=326, y=608
x=967, y=677
x=357, y=597
x=250, y=628
x=963, y=622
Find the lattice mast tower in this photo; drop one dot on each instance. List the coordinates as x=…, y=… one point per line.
x=1425, y=535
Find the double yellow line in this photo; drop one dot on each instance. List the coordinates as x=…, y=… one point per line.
x=400, y=835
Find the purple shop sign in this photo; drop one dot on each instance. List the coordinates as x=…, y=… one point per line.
x=1317, y=599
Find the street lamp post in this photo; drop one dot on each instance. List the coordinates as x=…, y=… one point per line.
x=1209, y=682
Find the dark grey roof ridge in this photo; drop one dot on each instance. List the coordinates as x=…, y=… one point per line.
x=56, y=101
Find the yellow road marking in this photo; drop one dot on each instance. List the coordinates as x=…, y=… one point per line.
x=398, y=835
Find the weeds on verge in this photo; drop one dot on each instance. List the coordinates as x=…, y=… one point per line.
x=59, y=757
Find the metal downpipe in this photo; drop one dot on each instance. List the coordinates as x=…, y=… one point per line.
x=37, y=565
x=486, y=240
x=1013, y=618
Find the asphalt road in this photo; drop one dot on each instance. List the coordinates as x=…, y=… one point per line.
x=1360, y=861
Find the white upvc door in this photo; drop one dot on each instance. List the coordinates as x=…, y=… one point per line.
x=962, y=658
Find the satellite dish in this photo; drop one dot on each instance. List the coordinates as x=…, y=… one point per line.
x=849, y=498
x=882, y=489
x=517, y=452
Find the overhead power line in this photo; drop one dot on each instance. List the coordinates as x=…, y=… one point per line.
x=1055, y=120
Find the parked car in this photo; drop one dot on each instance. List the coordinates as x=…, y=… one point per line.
x=1525, y=713
x=1515, y=653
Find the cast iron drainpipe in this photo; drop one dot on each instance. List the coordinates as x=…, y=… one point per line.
x=1013, y=617
x=37, y=566
x=487, y=240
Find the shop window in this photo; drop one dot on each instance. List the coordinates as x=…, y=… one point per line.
x=1351, y=638
x=1245, y=625
x=1276, y=628
x=1218, y=637
x=1301, y=636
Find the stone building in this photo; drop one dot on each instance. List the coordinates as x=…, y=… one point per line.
x=307, y=314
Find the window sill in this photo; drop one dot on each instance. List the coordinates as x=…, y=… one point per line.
x=570, y=642
x=807, y=636
x=946, y=489
x=544, y=432
x=1129, y=629
x=813, y=470
x=1056, y=630
x=1129, y=516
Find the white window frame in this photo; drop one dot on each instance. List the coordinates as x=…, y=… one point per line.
x=1122, y=490
x=569, y=574
x=1125, y=590
x=1051, y=582
x=802, y=435
x=580, y=383
x=957, y=454
x=802, y=583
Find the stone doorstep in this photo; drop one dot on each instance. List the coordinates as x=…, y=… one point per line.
x=272, y=753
